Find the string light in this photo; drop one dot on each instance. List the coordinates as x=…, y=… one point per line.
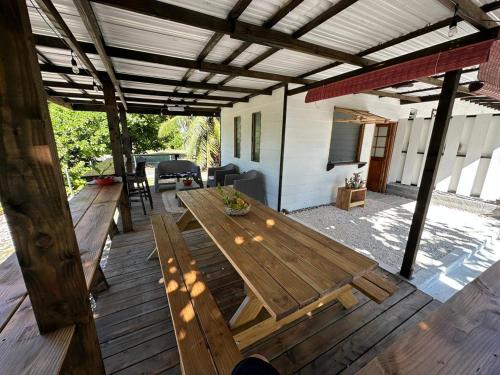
x=74, y=66
x=453, y=29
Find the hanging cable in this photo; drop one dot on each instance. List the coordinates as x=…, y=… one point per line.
x=453, y=29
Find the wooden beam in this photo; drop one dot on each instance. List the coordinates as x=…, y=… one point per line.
x=90, y=21
x=434, y=152
x=33, y=195
x=150, y=110
x=126, y=142
x=471, y=13
x=116, y=150
x=49, y=68
x=123, y=53
x=452, y=44
x=236, y=29
x=158, y=94
x=394, y=95
x=439, y=83
x=57, y=21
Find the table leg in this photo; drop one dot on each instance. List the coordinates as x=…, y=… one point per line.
x=347, y=299
x=187, y=222
x=247, y=311
x=99, y=284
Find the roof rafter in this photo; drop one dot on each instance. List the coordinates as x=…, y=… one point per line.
x=47, y=41
x=66, y=34
x=160, y=81
x=471, y=13
x=90, y=21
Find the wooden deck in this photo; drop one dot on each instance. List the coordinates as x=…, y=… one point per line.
x=136, y=333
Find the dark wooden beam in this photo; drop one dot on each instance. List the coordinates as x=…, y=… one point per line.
x=235, y=12
x=236, y=29
x=403, y=38
x=470, y=13
x=90, y=21
x=157, y=93
x=62, y=28
x=126, y=143
x=33, y=195
x=208, y=112
x=49, y=68
x=123, y=53
x=111, y=109
x=452, y=44
x=434, y=152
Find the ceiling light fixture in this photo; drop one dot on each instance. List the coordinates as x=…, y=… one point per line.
x=453, y=29
x=74, y=66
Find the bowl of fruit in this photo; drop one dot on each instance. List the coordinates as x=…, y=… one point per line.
x=234, y=205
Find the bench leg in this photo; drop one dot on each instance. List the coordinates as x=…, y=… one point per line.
x=247, y=311
x=187, y=222
x=347, y=299
x=99, y=284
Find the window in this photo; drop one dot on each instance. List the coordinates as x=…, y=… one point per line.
x=256, y=131
x=379, y=141
x=237, y=137
x=345, y=143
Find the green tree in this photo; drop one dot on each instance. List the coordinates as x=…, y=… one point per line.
x=172, y=132
x=143, y=130
x=81, y=138
x=201, y=138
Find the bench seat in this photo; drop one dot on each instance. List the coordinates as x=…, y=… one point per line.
x=204, y=341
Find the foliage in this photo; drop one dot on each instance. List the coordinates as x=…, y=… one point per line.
x=201, y=137
x=233, y=199
x=81, y=138
x=172, y=132
x=143, y=131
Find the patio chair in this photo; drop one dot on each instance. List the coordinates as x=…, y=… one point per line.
x=138, y=185
x=216, y=175
x=250, y=183
x=177, y=169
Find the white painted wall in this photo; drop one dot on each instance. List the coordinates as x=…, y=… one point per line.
x=471, y=160
x=271, y=108
x=306, y=182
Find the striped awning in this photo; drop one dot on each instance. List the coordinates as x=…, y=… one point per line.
x=420, y=67
x=489, y=75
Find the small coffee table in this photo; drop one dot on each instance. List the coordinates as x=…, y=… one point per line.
x=179, y=186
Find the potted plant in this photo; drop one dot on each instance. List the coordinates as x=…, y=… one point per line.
x=355, y=182
x=234, y=205
x=101, y=179
x=187, y=181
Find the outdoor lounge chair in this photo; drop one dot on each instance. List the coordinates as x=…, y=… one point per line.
x=177, y=169
x=250, y=183
x=216, y=175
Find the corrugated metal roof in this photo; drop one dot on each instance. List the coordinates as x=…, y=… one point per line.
x=364, y=24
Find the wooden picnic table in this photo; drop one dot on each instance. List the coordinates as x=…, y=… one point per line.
x=461, y=337
x=22, y=348
x=288, y=269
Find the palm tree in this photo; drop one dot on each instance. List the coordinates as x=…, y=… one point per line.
x=202, y=138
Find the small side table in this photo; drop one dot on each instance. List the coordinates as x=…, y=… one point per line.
x=348, y=198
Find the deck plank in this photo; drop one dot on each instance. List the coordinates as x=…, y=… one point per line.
x=136, y=333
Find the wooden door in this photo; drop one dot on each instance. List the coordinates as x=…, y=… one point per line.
x=381, y=152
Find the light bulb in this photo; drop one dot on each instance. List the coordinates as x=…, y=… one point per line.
x=74, y=67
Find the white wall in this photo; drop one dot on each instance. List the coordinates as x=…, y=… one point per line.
x=306, y=182
x=471, y=160
x=271, y=108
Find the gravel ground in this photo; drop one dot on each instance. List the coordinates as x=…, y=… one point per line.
x=380, y=229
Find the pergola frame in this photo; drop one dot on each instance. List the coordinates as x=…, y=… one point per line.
x=31, y=187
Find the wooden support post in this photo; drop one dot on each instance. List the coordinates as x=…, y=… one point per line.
x=116, y=149
x=435, y=150
x=33, y=195
x=126, y=142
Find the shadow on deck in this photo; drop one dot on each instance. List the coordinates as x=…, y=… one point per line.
x=136, y=333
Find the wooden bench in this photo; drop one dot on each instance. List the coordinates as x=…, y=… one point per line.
x=22, y=348
x=204, y=341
